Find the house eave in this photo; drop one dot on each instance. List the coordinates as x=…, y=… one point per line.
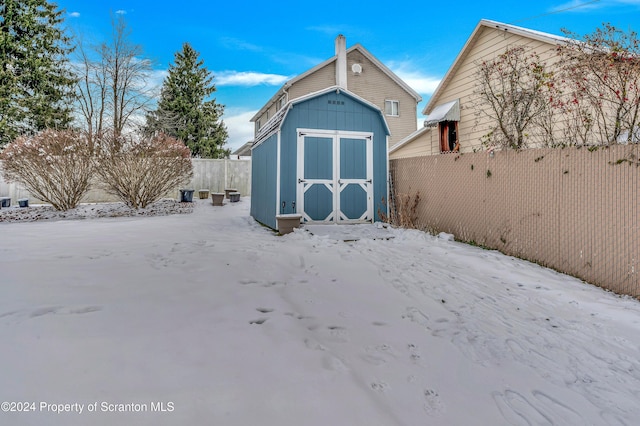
x=387, y=71
x=486, y=23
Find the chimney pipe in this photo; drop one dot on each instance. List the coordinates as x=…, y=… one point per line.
x=341, y=62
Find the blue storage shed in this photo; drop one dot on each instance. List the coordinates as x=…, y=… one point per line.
x=324, y=156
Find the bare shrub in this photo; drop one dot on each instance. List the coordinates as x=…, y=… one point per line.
x=404, y=212
x=139, y=171
x=54, y=166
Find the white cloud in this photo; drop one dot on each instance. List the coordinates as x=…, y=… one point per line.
x=121, y=12
x=237, y=44
x=577, y=5
x=422, y=83
x=240, y=128
x=74, y=14
x=156, y=78
x=591, y=5
x=248, y=78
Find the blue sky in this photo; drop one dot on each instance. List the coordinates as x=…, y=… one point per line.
x=253, y=47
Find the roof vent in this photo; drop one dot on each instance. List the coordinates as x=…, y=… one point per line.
x=356, y=68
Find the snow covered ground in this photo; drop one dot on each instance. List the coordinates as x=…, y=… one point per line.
x=210, y=318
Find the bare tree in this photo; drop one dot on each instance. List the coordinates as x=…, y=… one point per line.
x=114, y=82
x=602, y=73
x=91, y=90
x=516, y=91
x=128, y=75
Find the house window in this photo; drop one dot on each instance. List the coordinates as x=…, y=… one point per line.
x=258, y=124
x=449, y=136
x=282, y=101
x=392, y=108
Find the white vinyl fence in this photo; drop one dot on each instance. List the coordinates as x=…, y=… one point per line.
x=214, y=175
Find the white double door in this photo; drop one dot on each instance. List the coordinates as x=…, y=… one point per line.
x=335, y=176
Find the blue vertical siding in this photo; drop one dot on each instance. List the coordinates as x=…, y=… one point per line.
x=318, y=156
x=353, y=162
x=264, y=181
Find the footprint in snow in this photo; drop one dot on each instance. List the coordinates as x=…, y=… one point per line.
x=339, y=333
x=379, y=387
x=414, y=353
x=433, y=404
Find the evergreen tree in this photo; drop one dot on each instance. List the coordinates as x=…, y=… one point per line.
x=184, y=110
x=35, y=79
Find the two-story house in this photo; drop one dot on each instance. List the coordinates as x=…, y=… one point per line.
x=358, y=71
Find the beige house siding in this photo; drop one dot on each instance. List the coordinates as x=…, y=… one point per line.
x=489, y=45
x=423, y=144
x=460, y=83
x=266, y=115
x=321, y=79
x=376, y=87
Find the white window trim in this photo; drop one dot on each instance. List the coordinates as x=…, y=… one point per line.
x=392, y=102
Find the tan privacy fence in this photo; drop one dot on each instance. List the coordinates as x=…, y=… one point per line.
x=573, y=210
x=214, y=175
